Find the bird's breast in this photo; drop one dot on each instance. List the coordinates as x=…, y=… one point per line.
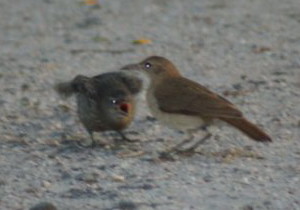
x=173, y=120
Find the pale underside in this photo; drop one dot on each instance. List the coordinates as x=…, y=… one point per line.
x=177, y=121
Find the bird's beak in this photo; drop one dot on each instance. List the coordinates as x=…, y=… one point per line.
x=125, y=107
x=131, y=67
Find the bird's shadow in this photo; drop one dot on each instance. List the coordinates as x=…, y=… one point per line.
x=113, y=144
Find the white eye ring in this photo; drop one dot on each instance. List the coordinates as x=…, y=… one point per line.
x=147, y=65
x=114, y=101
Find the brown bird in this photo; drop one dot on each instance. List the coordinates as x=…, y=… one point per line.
x=187, y=105
x=104, y=102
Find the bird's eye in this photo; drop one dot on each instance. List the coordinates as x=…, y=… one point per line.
x=114, y=101
x=148, y=65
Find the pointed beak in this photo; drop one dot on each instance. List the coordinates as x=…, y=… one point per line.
x=131, y=67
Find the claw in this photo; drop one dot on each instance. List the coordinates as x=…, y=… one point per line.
x=125, y=138
x=187, y=152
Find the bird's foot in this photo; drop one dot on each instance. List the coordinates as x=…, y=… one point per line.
x=131, y=140
x=82, y=145
x=121, y=145
x=192, y=149
x=172, y=155
x=124, y=138
x=115, y=146
x=130, y=154
x=186, y=152
x=167, y=156
x=92, y=144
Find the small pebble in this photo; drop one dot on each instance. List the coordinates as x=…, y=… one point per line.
x=43, y=206
x=118, y=178
x=247, y=207
x=46, y=184
x=127, y=205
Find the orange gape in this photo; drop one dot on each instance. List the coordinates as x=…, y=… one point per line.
x=125, y=107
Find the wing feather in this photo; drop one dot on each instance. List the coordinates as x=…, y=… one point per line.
x=185, y=96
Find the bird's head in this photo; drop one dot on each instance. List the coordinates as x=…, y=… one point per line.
x=154, y=67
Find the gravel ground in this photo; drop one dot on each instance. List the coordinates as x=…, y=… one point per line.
x=248, y=51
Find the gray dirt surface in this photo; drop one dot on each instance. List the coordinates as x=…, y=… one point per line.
x=248, y=51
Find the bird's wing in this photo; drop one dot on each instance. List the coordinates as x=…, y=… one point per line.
x=84, y=85
x=181, y=95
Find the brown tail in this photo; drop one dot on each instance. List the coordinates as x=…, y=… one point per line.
x=248, y=128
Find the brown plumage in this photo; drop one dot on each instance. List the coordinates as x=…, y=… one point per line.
x=173, y=98
x=104, y=102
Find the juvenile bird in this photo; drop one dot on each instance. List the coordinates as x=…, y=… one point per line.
x=104, y=102
x=186, y=105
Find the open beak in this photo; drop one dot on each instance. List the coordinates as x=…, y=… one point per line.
x=131, y=67
x=125, y=107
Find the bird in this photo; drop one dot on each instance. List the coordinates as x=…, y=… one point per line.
x=105, y=102
x=186, y=105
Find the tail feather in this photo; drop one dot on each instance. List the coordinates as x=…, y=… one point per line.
x=248, y=128
x=65, y=89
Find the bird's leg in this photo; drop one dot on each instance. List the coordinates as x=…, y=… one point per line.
x=93, y=144
x=133, y=149
x=192, y=148
x=190, y=138
x=169, y=153
x=180, y=144
x=196, y=145
x=92, y=138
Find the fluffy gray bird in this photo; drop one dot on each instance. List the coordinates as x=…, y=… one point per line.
x=104, y=102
